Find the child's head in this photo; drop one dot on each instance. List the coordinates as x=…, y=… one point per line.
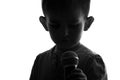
x=63, y=5
x=66, y=20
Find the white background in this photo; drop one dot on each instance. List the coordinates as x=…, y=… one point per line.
x=22, y=37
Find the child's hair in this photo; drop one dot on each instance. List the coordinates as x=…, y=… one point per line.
x=56, y=5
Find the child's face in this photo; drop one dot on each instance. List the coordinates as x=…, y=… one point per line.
x=65, y=28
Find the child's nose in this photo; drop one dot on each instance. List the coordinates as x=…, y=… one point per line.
x=66, y=31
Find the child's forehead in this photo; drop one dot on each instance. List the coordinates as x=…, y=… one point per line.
x=71, y=16
x=64, y=19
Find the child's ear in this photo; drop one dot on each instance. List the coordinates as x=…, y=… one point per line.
x=88, y=22
x=43, y=22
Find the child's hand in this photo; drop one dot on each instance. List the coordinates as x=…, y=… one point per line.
x=76, y=74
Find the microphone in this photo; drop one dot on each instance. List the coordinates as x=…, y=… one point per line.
x=69, y=61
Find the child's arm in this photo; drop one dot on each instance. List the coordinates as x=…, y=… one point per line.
x=34, y=71
x=96, y=69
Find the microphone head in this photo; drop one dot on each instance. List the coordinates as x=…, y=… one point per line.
x=69, y=58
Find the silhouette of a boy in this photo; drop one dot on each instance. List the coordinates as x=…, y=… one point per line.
x=66, y=20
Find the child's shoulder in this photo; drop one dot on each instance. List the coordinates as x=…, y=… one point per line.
x=86, y=52
x=45, y=53
x=91, y=62
x=87, y=56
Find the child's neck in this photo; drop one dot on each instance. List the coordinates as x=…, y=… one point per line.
x=73, y=48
